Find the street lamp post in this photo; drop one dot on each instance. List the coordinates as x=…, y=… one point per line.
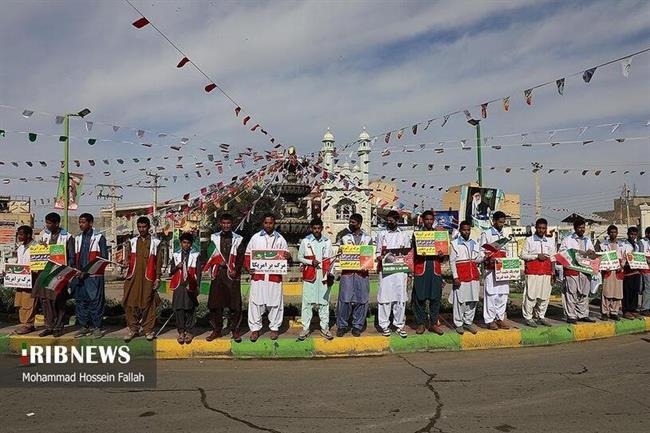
x=479, y=156
x=66, y=160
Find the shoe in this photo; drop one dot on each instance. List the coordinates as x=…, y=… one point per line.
x=326, y=334
x=531, y=323
x=236, y=336
x=57, y=333
x=436, y=330
x=542, y=321
x=130, y=336
x=180, y=338
x=502, y=325
x=254, y=336
x=571, y=321
x=45, y=333
x=83, y=332
x=150, y=336
x=431, y=326
x=274, y=335
x=356, y=332
x=188, y=338
x=402, y=333
x=340, y=332
x=493, y=326
x=637, y=315
x=460, y=330
x=25, y=329
x=587, y=319
x=615, y=317
x=629, y=316
x=420, y=329
x=303, y=335
x=645, y=313
x=213, y=335
x=98, y=333
x=385, y=332
x=471, y=328
x=604, y=317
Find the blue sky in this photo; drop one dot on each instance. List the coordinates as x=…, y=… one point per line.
x=300, y=67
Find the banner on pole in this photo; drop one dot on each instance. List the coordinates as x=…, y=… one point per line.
x=74, y=192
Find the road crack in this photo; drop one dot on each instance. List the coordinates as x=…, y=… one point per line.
x=439, y=404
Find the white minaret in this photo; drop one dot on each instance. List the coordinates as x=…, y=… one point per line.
x=328, y=151
x=364, y=154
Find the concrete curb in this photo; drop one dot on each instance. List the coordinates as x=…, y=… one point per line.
x=316, y=347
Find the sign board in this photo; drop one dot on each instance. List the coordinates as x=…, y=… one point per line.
x=18, y=276
x=357, y=257
x=609, y=261
x=38, y=257
x=637, y=260
x=57, y=254
x=508, y=269
x=396, y=261
x=428, y=243
x=268, y=262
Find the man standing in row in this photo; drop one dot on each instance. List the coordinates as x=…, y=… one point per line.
x=464, y=258
x=612, y=291
x=89, y=292
x=53, y=303
x=575, y=294
x=354, y=288
x=495, y=298
x=185, y=280
x=632, y=278
x=23, y=300
x=539, y=256
x=266, y=289
x=314, y=254
x=645, y=276
x=144, y=261
x=226, y=258
x=392, y=293
x=428, y=285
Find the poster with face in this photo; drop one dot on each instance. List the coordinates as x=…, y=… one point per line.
x=478, y=204
x=447, y=219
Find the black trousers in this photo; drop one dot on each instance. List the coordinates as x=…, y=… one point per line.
x=216, y=318
x=631, y=287
x=185, y=320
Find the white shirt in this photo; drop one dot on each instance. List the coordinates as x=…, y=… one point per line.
x=392, y=288
x=22, y=253
x=535, y=245
x=265, y=292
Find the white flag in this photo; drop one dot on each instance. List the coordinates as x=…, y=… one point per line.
x=626, y=65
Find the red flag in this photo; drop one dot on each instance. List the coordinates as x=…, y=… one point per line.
x=246, y=119
x=140, y=23
x=210, y=87
x=183, y=62
x=257, y=125
x=387, y=138
x=237, y=110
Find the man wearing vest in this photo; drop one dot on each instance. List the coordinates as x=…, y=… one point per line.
x=266, y=289
x=314, y=255
x=142, y=280
x=89, y=291
x=185, y=272
x=464, y=257
x=575, y=294
x=428, y=283
x=354, y=288
x=53, y=303
x=645, y=276
x=612, y=291
x=225, y=261
x=23, y=299
x=632, y=278
x=495, y=296
x=538, y=254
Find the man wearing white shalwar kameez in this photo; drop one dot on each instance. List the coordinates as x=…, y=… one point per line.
x=464, y=257
x=539, y=255
x=612, y=291
x=495, y=295
x=392, y=293
x=266, y=289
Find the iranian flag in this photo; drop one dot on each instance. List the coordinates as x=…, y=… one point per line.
x=495, y=246
x=578, y=261
x=55, y=276
x=97, y=267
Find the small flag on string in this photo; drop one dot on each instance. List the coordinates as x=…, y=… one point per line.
x=506, y=103
x=116, y=128
x=183, y=62
x=484, y=110
x=63, y=138
x=626, y=66
x=463, y=145
x=588, y=75
x=210, y=87
x=387, y=137
x=237, y=110
x=146, y=144
x=27, y=114
x=400, y=133
x=92, y=141
x=257, y=125
x=468, y=115
x=582, y=130
x=428, y=124
x=89, y=125
x=32, y=136
x=59, y=120
x=528, y=94
x=138, y=24
x=140, y=133
x=445, y=118
x=560, y=86
x=246, y=119
x=414, y=128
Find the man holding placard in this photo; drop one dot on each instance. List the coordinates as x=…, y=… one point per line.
x=632, y=278
x=23, y=300
x=428, y=274
x=612, y=273
x=392, y=244
x=354, y=288
x=539, y=255
x=266, y=258
x=645, y=276
x=495, y=297
x=464, y=257
x=53, y=303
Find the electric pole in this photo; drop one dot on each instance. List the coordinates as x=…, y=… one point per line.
x=626, y=193
x=537, y=170
x=154, y=187
x=114, y=198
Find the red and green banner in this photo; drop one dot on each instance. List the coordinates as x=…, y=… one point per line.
x=56, y=277
x=578, y=261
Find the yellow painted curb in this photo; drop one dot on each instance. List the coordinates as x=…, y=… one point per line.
x=15, y=341
x=647, y=323
x=591, y=331
x=295, y=324
x=292, y=289
x=349, y=345
x=490, y=339
x=170, y=349
x=555, y=298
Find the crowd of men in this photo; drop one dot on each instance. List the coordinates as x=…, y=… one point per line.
x=228, y=256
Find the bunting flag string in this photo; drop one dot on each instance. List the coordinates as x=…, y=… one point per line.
x=587, y=75
x=185, y=59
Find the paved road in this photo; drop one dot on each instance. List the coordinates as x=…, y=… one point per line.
x=598, y=386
